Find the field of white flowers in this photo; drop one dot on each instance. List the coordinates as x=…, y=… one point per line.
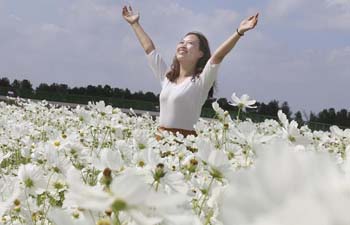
x=96, y=165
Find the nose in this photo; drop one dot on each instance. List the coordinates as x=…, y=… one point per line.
x=181, y=45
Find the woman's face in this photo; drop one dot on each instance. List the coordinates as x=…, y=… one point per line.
x=188, y=49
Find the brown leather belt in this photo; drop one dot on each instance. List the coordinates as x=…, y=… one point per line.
x=184, y=132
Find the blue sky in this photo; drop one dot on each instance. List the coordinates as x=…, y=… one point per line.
x=299, y=52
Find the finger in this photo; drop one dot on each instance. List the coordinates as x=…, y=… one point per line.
x=125, y=10
x=250, y=18
x=256, y=22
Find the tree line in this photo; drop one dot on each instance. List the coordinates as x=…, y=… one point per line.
x=124, y=98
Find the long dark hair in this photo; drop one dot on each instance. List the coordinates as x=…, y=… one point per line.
x=174, y=72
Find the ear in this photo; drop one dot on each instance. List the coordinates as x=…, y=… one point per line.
x=201, y=54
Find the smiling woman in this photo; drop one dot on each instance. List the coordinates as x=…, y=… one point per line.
x=180, y=100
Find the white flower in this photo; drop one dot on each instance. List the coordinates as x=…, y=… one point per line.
x=60, y=217
x=108, y=159
x=10, y=191
x=287, y=187
x=32, y=178
x=4, y=156
x=218, y=162
x=218, y=110
x=128, y=194
x=141, y=139
x=243, y=102
x=291, y=132
x=55, y=159
x=336, y=131
x=102, y=108
x=247, y=133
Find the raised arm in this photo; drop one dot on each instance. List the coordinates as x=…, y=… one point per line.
x=133, y=19
x=226, y=47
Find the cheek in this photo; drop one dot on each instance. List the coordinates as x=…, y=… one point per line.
x=195, y=51
x=192, y=49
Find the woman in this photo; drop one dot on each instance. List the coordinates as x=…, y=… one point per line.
x=190, y=79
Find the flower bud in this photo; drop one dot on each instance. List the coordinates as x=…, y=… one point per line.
x=56, y=143
x=159, y=172
x=75, y=215
x=192, y=165
x=107, y=177
x=141, y=163
x=16, y=202
x=226, y=126
x=108, y=212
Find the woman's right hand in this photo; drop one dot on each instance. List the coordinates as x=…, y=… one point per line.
x=130, y=16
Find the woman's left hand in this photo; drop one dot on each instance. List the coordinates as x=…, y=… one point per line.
x=248, y=24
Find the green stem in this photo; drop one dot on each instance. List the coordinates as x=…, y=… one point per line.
x=30, y=211
x=238, y=114
x=206, y=196
x=47, y=193
x=116, y=220
x=157, y=185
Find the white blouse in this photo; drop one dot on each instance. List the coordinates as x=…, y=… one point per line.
x=181, y=104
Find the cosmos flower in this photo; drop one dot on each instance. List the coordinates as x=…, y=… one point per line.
x=128, y=194
x=287, y=187
x=32, y=178
x=243, y=102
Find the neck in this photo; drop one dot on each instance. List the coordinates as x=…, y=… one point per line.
x=186, y=69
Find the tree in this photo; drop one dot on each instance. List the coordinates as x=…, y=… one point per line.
x=313, y=117
x=342, y=118
x=91, y=90
x=43, y=87
x=118, y=93
x=271, y=109
x=298, y=117
x=138, y=95
x=16, y=85
x=107, y=90
x=286, y=110
x=77, y=91
x=26, y=85
x=127, y=94
x=5, y=82
x=99, y=90
x=149, y=96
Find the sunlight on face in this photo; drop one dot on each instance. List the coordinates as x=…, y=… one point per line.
x=188, y=48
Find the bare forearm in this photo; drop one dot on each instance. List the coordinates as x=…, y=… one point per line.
x=225, y=48
x=143, y=38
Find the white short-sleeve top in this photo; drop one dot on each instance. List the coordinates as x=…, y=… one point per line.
x=181, y=104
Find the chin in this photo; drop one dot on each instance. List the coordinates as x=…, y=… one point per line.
x=180, y=57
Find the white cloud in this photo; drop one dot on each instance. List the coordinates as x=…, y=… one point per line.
x=342, y=4
x=325, y=14
x=282, y=8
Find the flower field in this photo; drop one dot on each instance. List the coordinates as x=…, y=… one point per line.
x=97, y=165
